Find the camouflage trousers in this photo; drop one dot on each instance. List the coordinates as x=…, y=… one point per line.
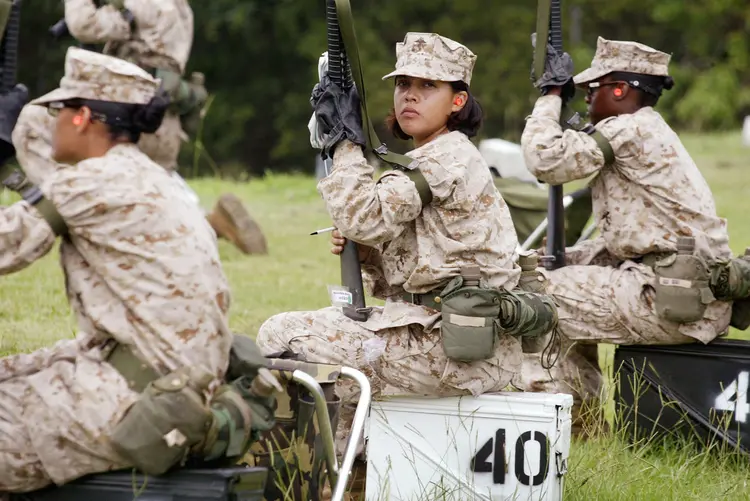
x=21, y=468
x=403, y=360
x=606, y=304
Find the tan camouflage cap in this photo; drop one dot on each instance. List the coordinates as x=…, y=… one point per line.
x=634, y=57
x=91, y=75
x=433, y=57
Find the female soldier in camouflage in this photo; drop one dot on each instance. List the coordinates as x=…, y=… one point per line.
x=645, y=198
x=143, y=278
x=410, y=251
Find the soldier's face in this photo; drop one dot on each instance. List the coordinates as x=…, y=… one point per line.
x=601, y=100
x=68, y=141
x=422, y=106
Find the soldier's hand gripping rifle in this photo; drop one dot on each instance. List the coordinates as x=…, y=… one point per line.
x=345, y=69
x=549, y=33
x=60, y=29
x=339, y=73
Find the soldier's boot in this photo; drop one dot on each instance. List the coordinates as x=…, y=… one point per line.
x=232, y=221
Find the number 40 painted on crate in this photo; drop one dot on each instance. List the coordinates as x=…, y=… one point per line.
x=738, y=390
x=495, y=448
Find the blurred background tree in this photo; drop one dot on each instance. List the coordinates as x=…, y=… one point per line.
x=260, y=61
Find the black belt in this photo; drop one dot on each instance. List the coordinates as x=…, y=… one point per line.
x=429, y=299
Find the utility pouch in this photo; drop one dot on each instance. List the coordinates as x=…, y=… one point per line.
x=470, y=313
x=158, y=431
x=532, y=280
x=682, y=291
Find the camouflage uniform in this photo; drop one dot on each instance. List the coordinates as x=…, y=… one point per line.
x=161, y=38
x=141, y=269
x=414, y=249
x=651, y=194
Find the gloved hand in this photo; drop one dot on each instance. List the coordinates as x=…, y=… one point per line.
x=11, y=105
x=558, y=72
x=338, y=114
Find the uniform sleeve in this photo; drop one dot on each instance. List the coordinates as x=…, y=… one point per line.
x=89, y=24
x=374, y=279
x=24, y=237
x=24, y=364
x=366, y=211
x=553, y=156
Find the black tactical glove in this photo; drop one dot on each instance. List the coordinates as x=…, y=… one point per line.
x=11, y=105
x=338, y=114
x=558, y=72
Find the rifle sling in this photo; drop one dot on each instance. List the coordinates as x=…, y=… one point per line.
x=603, y=144
x=15, y=180
x=396, y=160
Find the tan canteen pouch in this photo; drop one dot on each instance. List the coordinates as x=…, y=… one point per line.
x=158, y=430
x=682, y=285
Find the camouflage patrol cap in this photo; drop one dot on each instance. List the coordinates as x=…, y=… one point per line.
x=633, y=57
x=91, y=75
x=433, y=57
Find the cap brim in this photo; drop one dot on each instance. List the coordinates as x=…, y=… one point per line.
x=55, y=95
x=589, y=75
x=419, y=71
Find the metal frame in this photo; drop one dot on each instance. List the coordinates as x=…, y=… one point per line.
x=338, y=476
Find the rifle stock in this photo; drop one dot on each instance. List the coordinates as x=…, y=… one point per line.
x=340, y=74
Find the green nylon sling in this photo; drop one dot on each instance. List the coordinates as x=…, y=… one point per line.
x=399, y=162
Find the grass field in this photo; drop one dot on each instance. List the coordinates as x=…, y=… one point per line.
x=295, y=275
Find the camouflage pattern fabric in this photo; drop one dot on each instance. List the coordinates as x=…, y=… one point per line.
x=141, y=268
x=433, y=57
x=651, y=194
x=163, y=39
x=163, y=36
x=402, y=360
x=632, y=57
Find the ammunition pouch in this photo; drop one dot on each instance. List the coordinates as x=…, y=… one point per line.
x=171, y=423
x=474, y=316
x=158, y=431
x=187, y=97
x=682, y=291
x=731, y=282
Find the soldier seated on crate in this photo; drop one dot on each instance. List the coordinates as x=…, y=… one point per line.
x=142, y=385
x=661, y=270
x=417, y=235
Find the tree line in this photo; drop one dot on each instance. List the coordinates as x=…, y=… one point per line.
x=260, y=62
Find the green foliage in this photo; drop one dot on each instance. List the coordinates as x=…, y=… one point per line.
x=260, y=61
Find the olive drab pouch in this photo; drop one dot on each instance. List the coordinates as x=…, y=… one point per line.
x=470, y=315
x=682, y=291
x=158, y=430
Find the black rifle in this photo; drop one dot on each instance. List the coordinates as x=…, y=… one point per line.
x=549, y=30
x=340, y=74
x=10, y=48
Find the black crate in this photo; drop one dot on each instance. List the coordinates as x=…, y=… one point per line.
x=227, y=484
x=694, y=391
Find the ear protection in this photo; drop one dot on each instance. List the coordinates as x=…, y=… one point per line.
x=617, y=92
x=458, y=101
x=77, y=120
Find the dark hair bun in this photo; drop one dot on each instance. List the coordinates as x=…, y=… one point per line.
x=148, y=117
x=668, y=83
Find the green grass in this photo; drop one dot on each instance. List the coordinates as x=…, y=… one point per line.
x=295, y=274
